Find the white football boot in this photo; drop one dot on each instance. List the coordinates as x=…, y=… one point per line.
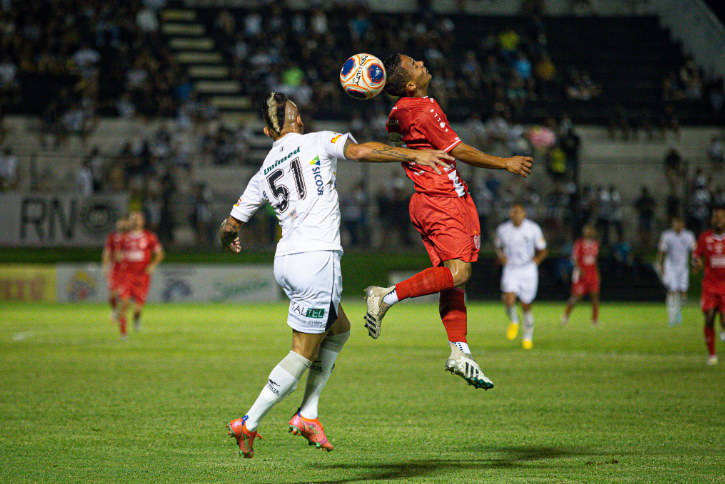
x=376, y=308
x=463, y=365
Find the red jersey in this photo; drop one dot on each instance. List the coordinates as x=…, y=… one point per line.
x=711, y=247
x=420, y=123
x=138, y=247
x=585, y=253
x=114, y=246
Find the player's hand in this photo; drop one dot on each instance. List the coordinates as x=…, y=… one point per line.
x=235, y=246
x=503, y=260
x=519, y=165
x=433, y=159
x=697, y=265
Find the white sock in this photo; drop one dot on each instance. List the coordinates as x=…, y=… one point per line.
x=320, y=372
x=513, y=314
x=671, y=302
x=390, y=298
x=461, y=346
x=282, y=381
x=528, y=325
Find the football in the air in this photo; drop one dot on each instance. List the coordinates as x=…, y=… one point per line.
x=362, y=76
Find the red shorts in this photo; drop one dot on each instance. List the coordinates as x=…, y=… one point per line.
x=135, y=286
x=448, y=226
x=585, y=284
x=712, y=298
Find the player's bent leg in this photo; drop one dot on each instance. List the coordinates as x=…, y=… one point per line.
x=124, y=305
x=377, y=307
x=595, y=308
x=573, y=300
x=460, y=271
x=527, y=339
x=137, y=308
x=306, y=422
x=709, y=333
x=463, y=365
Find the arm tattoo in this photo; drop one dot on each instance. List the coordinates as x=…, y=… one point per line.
x=391, y=152
x=227, y=233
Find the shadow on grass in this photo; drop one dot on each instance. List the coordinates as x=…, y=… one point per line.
x=504, y=457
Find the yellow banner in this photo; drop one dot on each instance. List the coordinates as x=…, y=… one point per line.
x=27, y=282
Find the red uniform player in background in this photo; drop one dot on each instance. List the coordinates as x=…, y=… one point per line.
x=142, y=252
x=710, y=254
x=112, y=265
x=586, y=279
x=441, y=209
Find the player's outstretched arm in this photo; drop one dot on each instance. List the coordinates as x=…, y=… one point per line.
x=374, y=152
x=519, y=165
x=229, y=234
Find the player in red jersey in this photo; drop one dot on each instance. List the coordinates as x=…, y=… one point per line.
x=142, y=252
x=710, y=254
x=585, y=280
x=112, y=265
x=441, y=209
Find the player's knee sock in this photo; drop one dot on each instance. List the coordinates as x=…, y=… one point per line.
x=710, y=339
x=320, y=372
x=282, y=381
x=528, y=325
x=671, y=301
x=429, y=281
x=122, y=324
x=512, y=314
x=452, y=308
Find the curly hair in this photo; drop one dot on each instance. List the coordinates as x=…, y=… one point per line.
x=397, y=76
x=273, y=111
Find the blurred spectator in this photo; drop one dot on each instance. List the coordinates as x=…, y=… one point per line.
x=716, y=94
x=716, y=153
x=84, y=179
x=645, y=206
x=8, y=170
x=699, y=212
x=622, y=260
x=581, y=87
x=674, y=169
x=393, y=211
x=620, y=121
x=672, y=207
x=616, y=220
x=201, y=218
x=354, y=208
x=605, y=213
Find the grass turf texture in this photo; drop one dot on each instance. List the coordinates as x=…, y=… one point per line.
x=631, y=401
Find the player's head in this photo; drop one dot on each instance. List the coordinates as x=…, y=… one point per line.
x=405, y=76
x=589, y=232
x=122, y=224
x=518, y=213
x=677, y=223
x=718, y=219
x=280, y=116
x=136, y=220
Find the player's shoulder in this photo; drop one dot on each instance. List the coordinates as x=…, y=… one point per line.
x=530, y=224
x=505, y=225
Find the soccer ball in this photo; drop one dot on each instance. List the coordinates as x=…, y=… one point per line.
x=362, y=76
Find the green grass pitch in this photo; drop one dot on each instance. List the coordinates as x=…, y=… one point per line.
x=631, y=401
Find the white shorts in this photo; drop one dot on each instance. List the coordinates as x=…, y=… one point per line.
x=313, y=284
x=522, y=281
x=676, y=280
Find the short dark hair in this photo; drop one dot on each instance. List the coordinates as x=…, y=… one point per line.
x=273, y=111
x=396, y=76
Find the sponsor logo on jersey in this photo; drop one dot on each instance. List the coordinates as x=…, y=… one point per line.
x=315, y=161
x=315, y=313
x=238, y=202
x=318, y=180
x=281, y=160
x=334, y=140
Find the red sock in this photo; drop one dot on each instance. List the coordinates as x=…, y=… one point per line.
x=122, y=325
x=112, y=301
x=452, y=308
x=595, y=312
x=710, y=339
x=429, y=281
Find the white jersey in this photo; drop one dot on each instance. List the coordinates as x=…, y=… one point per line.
x=298, y=178
x=677, y=249
x=520, y=244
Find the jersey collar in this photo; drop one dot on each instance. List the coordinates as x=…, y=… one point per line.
x=281, y=141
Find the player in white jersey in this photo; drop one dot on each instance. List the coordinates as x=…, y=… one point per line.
x=298, y=178
x=520, y=248
x=673, y=261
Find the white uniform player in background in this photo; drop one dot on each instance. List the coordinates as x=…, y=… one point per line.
x=673, y=262
x=298, y=178
x=520, y=248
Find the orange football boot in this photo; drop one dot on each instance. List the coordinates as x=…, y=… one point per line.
x=311, y=430
x=245, y=438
